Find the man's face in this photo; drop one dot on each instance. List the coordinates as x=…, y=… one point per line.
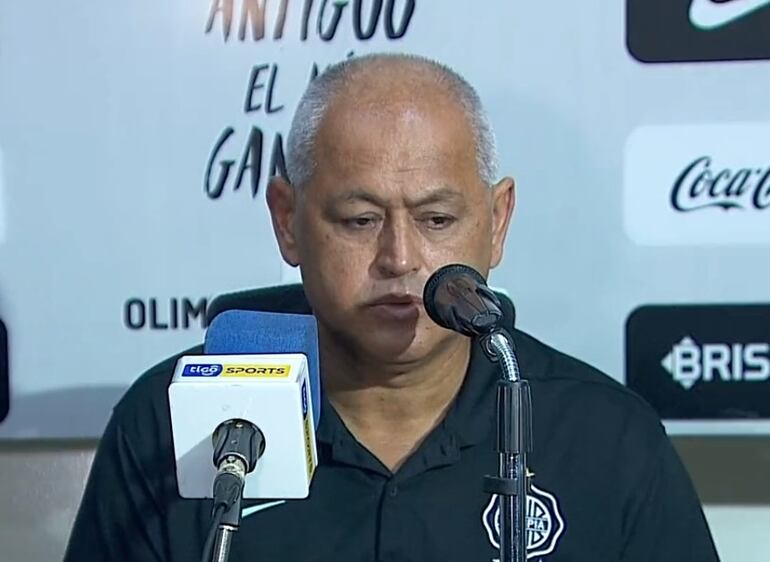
x=395, y=195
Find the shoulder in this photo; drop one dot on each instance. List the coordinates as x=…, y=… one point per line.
x=570, y=380
x=571, y=385
x=584, y=418
x=146, y=400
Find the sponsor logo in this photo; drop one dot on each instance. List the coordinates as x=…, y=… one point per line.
x=307, y=426
x=545, y=523
x=175, y=313
x=266, y=371
x=713, y=14
x=690, y=362
x=5, y=387
x=211, y=370
x=252, y=509
x=664, y=31
x=698, y=184
x=215, y=370
x=310, y=460
x=701, y=361
x=699, y=187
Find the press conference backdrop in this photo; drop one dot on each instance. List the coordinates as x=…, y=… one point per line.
x=136, y=140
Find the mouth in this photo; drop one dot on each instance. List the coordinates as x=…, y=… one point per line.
x=397, y=299
x=396, y=307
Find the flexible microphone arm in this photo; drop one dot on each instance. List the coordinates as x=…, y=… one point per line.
x=514, y=443
x=457, y=297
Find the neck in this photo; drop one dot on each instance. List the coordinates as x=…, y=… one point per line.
x=390, y=408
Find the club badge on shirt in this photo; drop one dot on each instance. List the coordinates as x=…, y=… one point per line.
x=545, y=524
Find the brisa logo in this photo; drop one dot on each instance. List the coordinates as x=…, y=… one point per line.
x=210, y=370
x=701, y=361
x=690, y=362
x=699, y=187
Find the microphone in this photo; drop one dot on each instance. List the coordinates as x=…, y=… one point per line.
x=457, y=297
x=251, y=405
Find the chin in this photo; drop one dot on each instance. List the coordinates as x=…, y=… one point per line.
x=397, y=358
x=391, y=344
x=383, y=345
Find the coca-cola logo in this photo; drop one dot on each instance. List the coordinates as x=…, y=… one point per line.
x=700, y=187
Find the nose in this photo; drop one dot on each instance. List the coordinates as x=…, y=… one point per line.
x=398, y=251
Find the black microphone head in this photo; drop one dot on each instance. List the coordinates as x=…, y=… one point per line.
x=456, y=297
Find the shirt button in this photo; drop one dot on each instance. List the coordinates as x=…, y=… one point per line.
x=392, y=490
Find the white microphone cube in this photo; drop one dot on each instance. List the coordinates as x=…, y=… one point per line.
x=270, y=391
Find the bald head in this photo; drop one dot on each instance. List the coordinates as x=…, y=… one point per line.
x=390, y=83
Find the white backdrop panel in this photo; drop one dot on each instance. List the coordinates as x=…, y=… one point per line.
x=110, y=111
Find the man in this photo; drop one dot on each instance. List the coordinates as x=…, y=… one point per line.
x=391, y=163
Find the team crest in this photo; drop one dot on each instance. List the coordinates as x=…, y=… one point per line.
x=544, y=522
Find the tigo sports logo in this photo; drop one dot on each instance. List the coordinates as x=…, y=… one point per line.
x=266, y=371
x=211, y=370
x=247, y=370
x=690, y=362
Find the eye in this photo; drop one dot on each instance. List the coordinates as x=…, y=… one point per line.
x=438, y=222
x=361, y=222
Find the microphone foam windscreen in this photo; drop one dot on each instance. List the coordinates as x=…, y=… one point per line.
x=234, y=332
x=440, y=307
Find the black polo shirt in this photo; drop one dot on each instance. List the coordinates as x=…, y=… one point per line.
x=608, y=485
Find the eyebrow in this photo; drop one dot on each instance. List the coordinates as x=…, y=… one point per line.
x=438, y=195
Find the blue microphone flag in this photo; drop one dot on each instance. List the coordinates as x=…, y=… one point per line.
x=236, y=332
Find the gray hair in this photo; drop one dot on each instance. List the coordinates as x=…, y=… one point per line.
x=300, y=160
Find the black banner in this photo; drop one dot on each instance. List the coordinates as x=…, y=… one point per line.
x=701, y=361
x=697, y=30
x=5, y=387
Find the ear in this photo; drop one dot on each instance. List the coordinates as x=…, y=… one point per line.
x=282, y=201
x=503, y=202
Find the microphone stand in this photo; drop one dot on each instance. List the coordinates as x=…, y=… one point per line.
x=238, y=445
x=514, y=442
x=230, y=520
